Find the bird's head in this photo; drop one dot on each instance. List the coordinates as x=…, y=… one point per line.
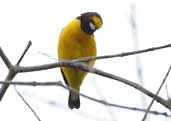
x=90, y=22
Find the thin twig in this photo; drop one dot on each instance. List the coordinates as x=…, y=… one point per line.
x=59, y=83
x=45, y=54
x=85, y=59
x=146, y=113
x=26, y=49
x=123, y=54
x=110, y=104
x=28, y=105
x=33, y=83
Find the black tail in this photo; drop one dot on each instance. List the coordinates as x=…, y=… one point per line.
x=74, y=100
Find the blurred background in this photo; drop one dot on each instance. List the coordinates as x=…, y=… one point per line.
x=128, y=25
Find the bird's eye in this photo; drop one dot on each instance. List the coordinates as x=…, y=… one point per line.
x=92, y=26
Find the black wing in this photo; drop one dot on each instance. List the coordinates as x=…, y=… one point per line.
x=64, y=77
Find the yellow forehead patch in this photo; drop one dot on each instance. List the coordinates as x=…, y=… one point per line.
x=97, y=21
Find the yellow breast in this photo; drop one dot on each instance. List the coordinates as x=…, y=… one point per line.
x=75, y=44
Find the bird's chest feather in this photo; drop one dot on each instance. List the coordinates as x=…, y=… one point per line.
x=77, y=46
x=82, y=48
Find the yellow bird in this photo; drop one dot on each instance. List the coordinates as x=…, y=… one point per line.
x=77, y=41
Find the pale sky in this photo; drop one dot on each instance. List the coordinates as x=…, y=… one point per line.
x=41, y=22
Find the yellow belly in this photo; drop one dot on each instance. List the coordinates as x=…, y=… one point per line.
x=75, y=44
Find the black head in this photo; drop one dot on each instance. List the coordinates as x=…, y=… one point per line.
x=90, y=22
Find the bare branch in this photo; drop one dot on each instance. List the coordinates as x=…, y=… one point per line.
x=146, y=113
x=26, y=49
x=85, y=59
x=76, y=64
x=123, y=54
x=12, y=69
x=60, y=84
x=110, y=104
x=94, y=71
x=5, y=59
x=33, y=83
x=4, y=87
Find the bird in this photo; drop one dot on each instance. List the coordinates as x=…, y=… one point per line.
x=76, y=41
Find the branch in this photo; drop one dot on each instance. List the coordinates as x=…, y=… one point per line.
x=85, y=59
x=123, y=54
x=60, y=84
x=12, y=69
x=5, y=59
x=33, y=83
x=4, y=87
x=84, y=67
x=148, y=109
x=26, y=49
